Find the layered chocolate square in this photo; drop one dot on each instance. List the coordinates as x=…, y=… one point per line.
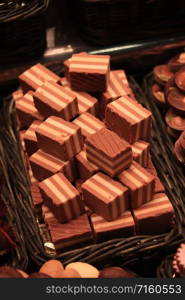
x=30, y=138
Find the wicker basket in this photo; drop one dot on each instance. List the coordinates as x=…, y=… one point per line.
x=106, y=22
x=131, y=252
x=22, y=30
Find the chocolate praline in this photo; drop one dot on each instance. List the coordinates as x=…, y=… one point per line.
x=180, y=79
x=177, y=62
x=162, y=74
x=176, y=99
x=158, y=94
x=175, y=122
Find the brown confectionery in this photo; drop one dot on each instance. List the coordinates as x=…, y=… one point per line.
x=115, y=272
x=36, y=195
x=158, y=94
x=39, y=275
x=108, y=152
x=64, y=81
x=23, y=274
x=89, y=73
x=179, y=79
x=124, y=226
x=141, y=184
x=140, y=151
x=175, y=122
x=53, y=268
x=85, y=168
x=86, y=102
x=85, y=270
x=177, y=62
x=128, y=119
x=105, y=196
x=17, y=95
x=35, y=76
x=70, y=273
x=159, y=188
x=115, y=89
x=30, y=138
x=72, y=234
x=61, y=197
x=162, y=73
x=176, y=99
x=67, y=63
x=89, y=124
x=26, y=111
x=179, y=261
x=44, y=165
x=52, y=99
x=9, y=272
x=180, y=147
x=59, y=138
x=154, y=217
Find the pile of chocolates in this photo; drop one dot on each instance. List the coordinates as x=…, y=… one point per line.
x=55, y=269
x=87, y=143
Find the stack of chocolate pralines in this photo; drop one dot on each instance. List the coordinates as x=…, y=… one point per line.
x=89, y=155
x=169, y=92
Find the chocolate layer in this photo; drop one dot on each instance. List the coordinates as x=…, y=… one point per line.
x=128, y=119
x=59, y=138
x=53, y=99
x=35, y=76
x=108, y=152
x=105, y=196
x=61, y=197
x=140, y=151
x=88, y=124
x=44, y=165
x=85, y=168
x=89, y=73
x=141, y=184
x=154, y=217
x=175, y=122
x=122, y=227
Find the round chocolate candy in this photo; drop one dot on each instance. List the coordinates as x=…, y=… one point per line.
x=180, y=149
x=169, y=86
x=180, y=79
x=176, y=99
x=177, y=62
x=175, y=121
x=9, y=272
x=39, y=275
x=179, y=261
x=158, y=94
x=172, y=133
x=115, y=272
x=162, y=74
x=84, y=270
x=53, y=268
x=70, y=273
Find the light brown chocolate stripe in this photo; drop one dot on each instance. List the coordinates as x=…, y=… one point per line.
x=26, y=104
x=115, y=87
x=88, y=123
x=153, y=207
x=43, y=73
x=89, y=63
x=30, y=132
x=47, y=161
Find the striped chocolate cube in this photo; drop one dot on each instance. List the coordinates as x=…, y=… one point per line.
x=61, y=197
x=115, y=89
x=140, y=151
x=30, y=138
x=35, y=76
x=85, y=168
x=122, y=227
x=51, y=99
x=89, y=73
x=44, y=165
x=17, y=95
x=88, y=124
x=128, y=119
x=105, y=196
x=59, y=138
x=86, y=102
x=26, y=111
x=72, y=234
x=140, y=183
x=154, y=217
x=66, y=63
x=108, y=152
